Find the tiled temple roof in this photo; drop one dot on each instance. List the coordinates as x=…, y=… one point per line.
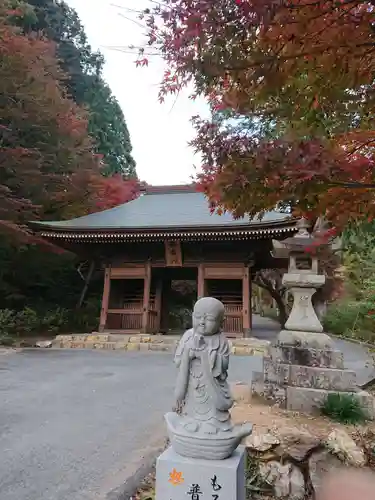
x=163, y=210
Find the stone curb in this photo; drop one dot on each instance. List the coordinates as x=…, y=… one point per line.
x=142, y=342
x=249, y=350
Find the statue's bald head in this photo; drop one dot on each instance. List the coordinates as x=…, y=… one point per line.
x=208, y=316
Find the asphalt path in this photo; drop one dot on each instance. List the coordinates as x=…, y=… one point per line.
x=74, y=424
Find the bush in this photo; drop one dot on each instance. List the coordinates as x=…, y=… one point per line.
x=29, y=322
x=353, y=319
x=26, y=321
x=354, y=315
x=344, y=408
x=85, y=319
x=7, y=326
x=55, y=320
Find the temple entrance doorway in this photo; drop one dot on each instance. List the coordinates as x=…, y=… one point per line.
x=179, y=293
x=229, y=292
x=157, y=299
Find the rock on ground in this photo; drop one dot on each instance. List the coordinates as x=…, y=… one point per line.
x=292, y=452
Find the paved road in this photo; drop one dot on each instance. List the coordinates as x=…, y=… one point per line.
x=72, y=422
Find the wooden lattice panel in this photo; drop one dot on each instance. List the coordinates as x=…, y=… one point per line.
x=231, y=297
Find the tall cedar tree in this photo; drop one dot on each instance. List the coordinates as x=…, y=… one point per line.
x=49, y=166
x=303, y=69
x=83, y=69
x=46, y=156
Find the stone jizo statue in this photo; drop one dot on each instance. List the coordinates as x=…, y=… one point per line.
x=204, y=428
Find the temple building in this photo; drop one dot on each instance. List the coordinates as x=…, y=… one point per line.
x=168, y=233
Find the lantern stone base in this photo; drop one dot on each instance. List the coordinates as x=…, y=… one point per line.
x=299, y=377
x=181, y=478
x=305, y=339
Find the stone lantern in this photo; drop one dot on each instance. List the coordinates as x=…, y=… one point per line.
x=303, y=280
x=304, y=365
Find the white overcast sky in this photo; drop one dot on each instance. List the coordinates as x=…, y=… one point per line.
x=159, y=132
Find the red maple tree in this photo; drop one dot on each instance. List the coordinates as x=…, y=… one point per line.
x=113, y=191
x=290, y=85
x=47, y=162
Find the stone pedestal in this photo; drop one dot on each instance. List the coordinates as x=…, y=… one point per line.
x=303, y=367
x=300, y=377
x=180, y=478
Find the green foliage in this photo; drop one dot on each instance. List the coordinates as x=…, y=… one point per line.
x=148, y=495
x=32, y=277
x=46, y=153
x=358, y=257
x=50, y=170
x=83, y=68
x=351, y=319
x=181, y=301
x=107, y=125
x=28, y=322
x=61, y=24
x=344, y=408
x=39, y=292
x=354, y=315
x=7, y=326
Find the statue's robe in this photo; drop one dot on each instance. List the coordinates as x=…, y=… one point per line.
x=202, y=381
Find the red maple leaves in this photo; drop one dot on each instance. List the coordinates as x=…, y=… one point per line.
x=48, y=166
x=113, y=191
x=291, y=87
x=142, y=62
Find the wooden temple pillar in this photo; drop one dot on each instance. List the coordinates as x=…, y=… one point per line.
x=165, y=305
x=201, y=283
x=251, y=301
x=158, y=303
x=105, y=299
x=246, y=302
x=146, y=297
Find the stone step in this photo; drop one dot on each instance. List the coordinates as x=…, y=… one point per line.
x=122, y=346
x=329, y=379
x=305, y=399
x=310, y=400
x=157, y=343
x=307, y=356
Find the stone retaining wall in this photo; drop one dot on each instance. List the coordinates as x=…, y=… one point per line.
x=157, y=343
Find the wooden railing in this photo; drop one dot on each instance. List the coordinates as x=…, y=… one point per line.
x=233, y=321
x=152, y=321
x=233, y=324
x=233, y=309
x=124, y=319
x=126, y=314
x=129, y=316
